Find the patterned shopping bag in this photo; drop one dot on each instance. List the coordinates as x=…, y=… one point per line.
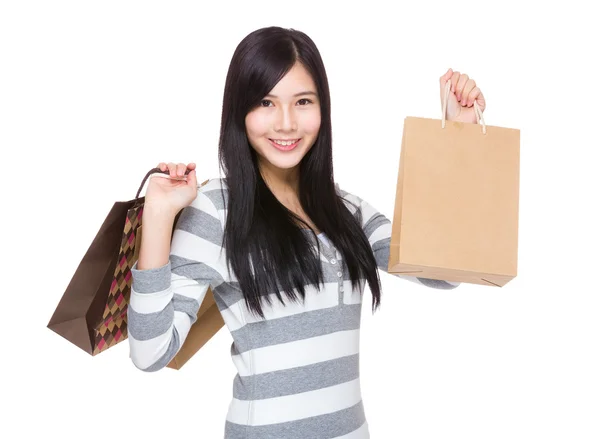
x=92, y=313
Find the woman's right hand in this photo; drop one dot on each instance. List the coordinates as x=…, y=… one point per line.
x=169, y=194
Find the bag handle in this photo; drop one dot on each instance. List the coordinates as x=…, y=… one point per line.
x=478, y=111
x=154, y=171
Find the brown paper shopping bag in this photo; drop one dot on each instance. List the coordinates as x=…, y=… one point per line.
x=208, y=324
x=92, y=313
x=457, y=201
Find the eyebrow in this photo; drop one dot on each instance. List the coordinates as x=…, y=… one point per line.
x=296, y=95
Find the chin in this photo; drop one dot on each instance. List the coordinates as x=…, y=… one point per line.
x=288, y=163
x=287, y=160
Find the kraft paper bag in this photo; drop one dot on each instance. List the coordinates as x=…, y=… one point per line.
x=208, y=324
x=457, y=201
x=92, y=313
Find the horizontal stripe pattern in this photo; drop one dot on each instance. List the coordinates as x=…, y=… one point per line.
x=298, y=327
x=349, y=423
x=296, y=406
x=298, y=367
x=313, y=301
x=297, y=379
x=296, y=354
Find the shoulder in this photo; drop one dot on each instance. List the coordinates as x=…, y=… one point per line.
x=205, y=212
x=208, y=202
x=213, y=190
x=211, y=184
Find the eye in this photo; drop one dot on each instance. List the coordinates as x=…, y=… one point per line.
x=308, y=101
x=262, y=103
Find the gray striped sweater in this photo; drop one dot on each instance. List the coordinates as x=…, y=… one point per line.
x=298, y=368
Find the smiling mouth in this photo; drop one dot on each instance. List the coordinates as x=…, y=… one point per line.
x=286, y=145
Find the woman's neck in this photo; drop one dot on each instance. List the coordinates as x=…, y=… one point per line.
x=282, y=182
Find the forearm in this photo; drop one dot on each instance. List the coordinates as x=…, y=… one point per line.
x=152, y=326
x=381, y=250
x=157, y=227
x=378, y=230
x=169, y=282
x=152, y=339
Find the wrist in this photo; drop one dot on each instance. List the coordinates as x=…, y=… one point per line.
x=159, y=213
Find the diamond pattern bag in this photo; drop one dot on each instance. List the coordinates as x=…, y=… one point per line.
x=92, y=313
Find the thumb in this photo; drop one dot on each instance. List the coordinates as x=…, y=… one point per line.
x=191, y=179
x=443, y=80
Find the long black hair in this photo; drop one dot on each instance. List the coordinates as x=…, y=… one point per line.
x=266, y=246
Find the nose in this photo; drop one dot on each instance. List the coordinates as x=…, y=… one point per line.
x=285, y=120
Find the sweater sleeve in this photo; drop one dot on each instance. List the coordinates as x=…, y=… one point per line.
x=378, y=229
x=164, y=301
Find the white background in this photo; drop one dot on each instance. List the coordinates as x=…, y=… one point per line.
x=94, y=94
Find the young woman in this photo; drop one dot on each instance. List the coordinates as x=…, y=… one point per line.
x=286, y=251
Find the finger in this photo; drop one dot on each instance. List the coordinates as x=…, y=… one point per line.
x=172, y=169
x=469, y=86
x=181, y=167
x=460, y=86
x=443, y=81
x=454, y=81
x=191, y=165
x=445, y=77
x=473, y=94
x=162, y=166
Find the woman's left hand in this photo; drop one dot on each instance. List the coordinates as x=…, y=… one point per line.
x=463, y=93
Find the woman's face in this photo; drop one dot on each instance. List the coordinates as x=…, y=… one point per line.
x=285, y=125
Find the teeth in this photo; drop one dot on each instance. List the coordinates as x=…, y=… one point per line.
x=285, y=143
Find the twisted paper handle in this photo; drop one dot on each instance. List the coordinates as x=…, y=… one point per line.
x=154, y=171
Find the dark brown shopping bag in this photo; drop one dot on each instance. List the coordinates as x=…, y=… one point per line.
x=92, y=313
x=457, y=202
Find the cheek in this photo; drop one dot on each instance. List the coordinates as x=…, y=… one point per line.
x=312, y=123
x=255, y=125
